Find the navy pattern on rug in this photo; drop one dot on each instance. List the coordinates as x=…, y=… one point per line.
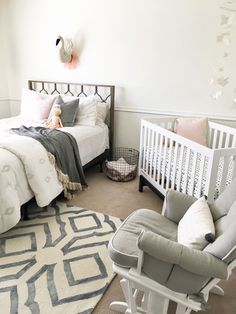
x=56, y=262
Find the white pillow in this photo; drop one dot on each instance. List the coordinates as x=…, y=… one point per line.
x=35, y=106
x=87, y=113
x=102, y=110
x=195, y=224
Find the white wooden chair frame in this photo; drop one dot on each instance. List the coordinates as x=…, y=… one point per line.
x=155, y=296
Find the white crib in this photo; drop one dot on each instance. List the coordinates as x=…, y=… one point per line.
x=168, y=160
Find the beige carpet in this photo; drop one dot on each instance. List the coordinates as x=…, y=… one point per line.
x=120, y=199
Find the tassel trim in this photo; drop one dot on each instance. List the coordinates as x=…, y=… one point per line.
x=69, y=187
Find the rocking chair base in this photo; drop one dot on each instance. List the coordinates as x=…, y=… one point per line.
x=155, y=296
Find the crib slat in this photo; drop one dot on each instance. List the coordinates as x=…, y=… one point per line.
x=140, y=162
x=234, y=167
x=156, y=156
x=200, y=178
x=164, y=161
x=193, y=173
x=186, y=167
x=180, y=165
x=160, y=147
x=170, y=149
x=220, y=145
x=227, y=140
x=234, y=141
x=174, y=165
x=151, y=154
x=210, y=131
x=148, y=150
x=214, y=138
x=224, y=173
x=144, y=148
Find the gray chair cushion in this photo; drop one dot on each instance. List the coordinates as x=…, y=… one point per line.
x=224, y=202
x=185, y=282
x=176, y=204
x=178, y=254
x=232, y=212
x=224, y=244
x=221, y=225
x=123, y=248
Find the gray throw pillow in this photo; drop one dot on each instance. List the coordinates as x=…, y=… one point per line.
x=69, y=110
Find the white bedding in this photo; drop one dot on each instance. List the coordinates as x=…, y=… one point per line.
x=16, y=187
x=91, y=140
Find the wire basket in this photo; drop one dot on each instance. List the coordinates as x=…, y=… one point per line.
x=122, y=165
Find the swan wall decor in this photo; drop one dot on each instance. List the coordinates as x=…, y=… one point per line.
x=67, y=54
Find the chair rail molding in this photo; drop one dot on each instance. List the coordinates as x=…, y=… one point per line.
x=173, y=113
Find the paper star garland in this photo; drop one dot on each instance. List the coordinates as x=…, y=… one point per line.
x=227, y=19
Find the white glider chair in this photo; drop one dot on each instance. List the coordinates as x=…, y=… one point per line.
x=147, y=255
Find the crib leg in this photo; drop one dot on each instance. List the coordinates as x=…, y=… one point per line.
x=141, y=184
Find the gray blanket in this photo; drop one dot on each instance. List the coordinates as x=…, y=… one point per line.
x=63, y=151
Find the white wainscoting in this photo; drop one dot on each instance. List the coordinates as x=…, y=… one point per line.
x=127, y=122
x=5, y=110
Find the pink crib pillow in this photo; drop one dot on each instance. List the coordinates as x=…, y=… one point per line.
x=195, y=129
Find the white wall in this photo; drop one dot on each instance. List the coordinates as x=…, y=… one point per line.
x=160, y=54
x=4, y=99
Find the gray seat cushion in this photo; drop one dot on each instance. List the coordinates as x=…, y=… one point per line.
x=123, y=248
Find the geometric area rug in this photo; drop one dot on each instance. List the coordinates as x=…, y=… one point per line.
x=56, y=262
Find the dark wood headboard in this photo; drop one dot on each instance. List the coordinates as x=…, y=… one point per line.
x=106, y=93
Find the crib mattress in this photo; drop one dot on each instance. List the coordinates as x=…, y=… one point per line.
x=183, y=175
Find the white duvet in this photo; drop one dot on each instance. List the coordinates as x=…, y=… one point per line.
x=25, y=170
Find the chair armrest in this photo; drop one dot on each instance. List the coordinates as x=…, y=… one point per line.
x=176, y=204
x=194, y=261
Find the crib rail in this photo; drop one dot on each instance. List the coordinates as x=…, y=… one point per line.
x=221, y=171
x=221, y=136
x=168, y=160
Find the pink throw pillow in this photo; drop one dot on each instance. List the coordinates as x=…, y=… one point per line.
x=195, y=129
x=35, y=106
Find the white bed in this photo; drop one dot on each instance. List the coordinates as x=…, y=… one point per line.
x=25, y=169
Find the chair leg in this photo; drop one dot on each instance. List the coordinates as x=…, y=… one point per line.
x=157, y=304
x=217, y=290
x=152, y=303
x=125, y=307
x=182, y=309
x=117, y=306
x=144, y=301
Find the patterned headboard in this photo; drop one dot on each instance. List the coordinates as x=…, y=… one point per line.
x=106, y=93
